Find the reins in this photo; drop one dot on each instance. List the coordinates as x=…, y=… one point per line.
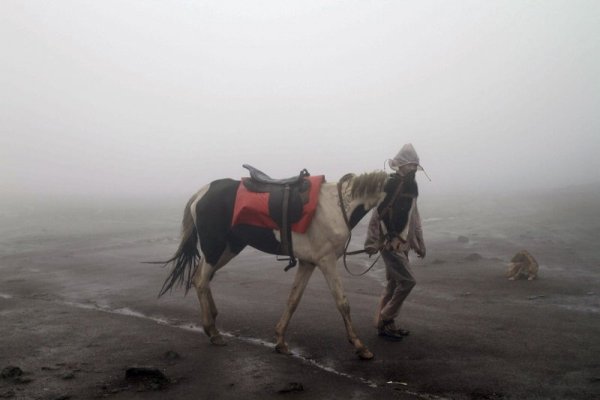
x=346, y=252
x=387, y=210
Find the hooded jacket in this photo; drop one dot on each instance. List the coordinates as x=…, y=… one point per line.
x=411, y=238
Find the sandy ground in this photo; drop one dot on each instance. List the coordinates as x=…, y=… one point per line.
x=78, y=308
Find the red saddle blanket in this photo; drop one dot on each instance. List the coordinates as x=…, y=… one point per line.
x=253, y=208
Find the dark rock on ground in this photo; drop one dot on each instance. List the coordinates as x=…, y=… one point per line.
x=11, y=372
x=60, y=397
x=473, y=257
x=149, y=377
x=463, y=239
x=14, y=374
x=172, y=355
x=68, y=375
x=291, y=387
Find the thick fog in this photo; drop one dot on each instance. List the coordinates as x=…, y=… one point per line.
x=154, y=98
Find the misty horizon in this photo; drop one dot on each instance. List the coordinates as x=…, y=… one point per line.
x=142, y=100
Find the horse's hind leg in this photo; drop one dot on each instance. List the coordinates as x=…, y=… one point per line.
x=213, y=307
x=207, y=303
x=303, y=274
x=208, y=309
x=335, y=285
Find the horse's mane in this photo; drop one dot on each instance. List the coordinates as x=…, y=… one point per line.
x=367, y=184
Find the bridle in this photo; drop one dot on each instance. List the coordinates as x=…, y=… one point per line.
x=347, y=221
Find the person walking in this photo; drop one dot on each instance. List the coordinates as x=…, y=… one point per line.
x=394, y=243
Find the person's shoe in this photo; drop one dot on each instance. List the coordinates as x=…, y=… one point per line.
x=402, y=332
x=387, y=331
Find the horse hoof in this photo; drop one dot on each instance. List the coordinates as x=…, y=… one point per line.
x=365, y=354
x=218, y=340
x=283, y=349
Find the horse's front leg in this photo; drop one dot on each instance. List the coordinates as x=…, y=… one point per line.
x=303, y=274
x=328, y=267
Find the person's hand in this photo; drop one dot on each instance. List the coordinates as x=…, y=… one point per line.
x=421, y=253
x=371, y=250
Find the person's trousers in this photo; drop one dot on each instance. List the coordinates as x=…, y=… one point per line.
x=400, y=282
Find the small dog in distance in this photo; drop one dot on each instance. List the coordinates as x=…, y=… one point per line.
x=523, y=265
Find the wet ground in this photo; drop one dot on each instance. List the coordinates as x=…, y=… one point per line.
x=78, y=308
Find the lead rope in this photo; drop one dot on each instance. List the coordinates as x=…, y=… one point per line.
x=339, y=188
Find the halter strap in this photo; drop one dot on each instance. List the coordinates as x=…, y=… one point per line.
x=347, y=221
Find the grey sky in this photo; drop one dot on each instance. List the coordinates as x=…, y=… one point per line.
x=140, y=98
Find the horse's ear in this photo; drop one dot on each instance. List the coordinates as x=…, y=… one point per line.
x=347, y=177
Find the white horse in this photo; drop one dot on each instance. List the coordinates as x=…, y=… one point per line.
x=207, y=220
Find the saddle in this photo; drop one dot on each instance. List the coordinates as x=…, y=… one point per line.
x=287, y=198
x=260, y=178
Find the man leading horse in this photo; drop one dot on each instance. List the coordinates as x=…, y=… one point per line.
x=395, y=229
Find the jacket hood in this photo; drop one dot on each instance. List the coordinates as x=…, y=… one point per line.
x=406, y=155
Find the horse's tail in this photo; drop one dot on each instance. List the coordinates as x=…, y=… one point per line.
x=187, y=257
